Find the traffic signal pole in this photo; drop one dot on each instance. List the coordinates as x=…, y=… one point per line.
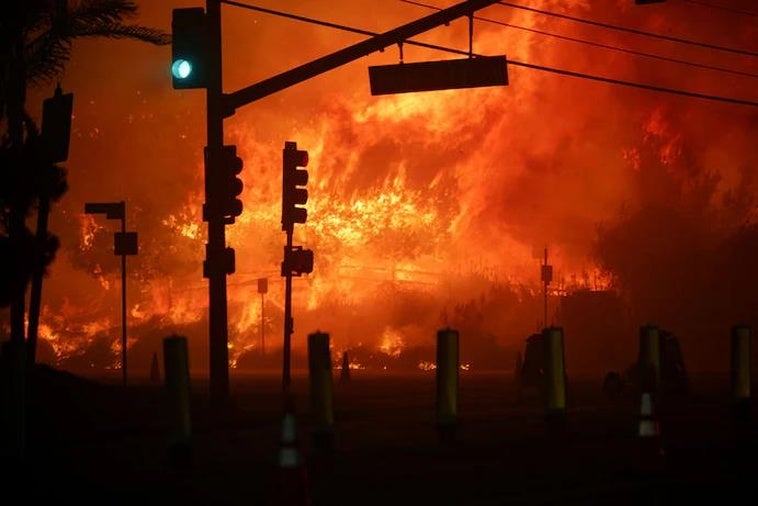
x=289, y=324
x=214, y=250
x=249, y=94
x=196, y=63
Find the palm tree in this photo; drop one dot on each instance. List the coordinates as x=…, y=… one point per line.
x=36, y=38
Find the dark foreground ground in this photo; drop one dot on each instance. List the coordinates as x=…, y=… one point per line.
x=92, y=442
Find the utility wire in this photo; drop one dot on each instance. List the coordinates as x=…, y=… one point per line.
x=597, y=44
x=569, y=73
x=328, y=24
x=723, y=8
x=631, y=30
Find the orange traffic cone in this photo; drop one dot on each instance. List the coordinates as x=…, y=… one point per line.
x=292, y=487
x=649, y=436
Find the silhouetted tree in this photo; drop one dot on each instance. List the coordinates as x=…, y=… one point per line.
x=36, y=39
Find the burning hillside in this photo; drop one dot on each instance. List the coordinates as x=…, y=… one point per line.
x=425, y=209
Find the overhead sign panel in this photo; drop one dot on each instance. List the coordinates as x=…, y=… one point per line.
x=438, y=75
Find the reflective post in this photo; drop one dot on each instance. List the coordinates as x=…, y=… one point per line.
x=741, y=370
x=322, y=399
x=176, y=367
x=555, y=377
x=447, y=382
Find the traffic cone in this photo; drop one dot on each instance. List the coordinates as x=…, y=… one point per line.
x=292, y=488
x=155, y=372
x=651, y=451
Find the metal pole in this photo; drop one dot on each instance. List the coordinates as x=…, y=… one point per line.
x=35, y=297
x=288, y=323
x=217, y=303
x=544, y=295
x=263, y=349
x=123, y=296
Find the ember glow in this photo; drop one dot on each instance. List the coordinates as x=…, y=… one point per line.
x=425, y=210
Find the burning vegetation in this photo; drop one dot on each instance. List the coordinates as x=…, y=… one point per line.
x=426, y=210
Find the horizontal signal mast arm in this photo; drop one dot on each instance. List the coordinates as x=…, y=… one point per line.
x=237, y=99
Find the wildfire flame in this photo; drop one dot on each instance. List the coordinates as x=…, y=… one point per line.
x=418, y=204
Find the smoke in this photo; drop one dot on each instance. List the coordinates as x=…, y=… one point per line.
x=425, y=209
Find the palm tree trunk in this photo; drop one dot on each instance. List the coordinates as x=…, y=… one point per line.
x=16, y=394
x=35, y=298
x=15, y=104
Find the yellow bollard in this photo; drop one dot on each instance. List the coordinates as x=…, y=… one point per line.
x=555, y=373
x=447, y=382
x=741, y=370
x=649, y=361
x=322, y=399
x=176, y=367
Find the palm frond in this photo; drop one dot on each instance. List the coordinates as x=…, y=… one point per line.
x=102, y=11
x=50, y=48
x=46, y=58
x=121, y=31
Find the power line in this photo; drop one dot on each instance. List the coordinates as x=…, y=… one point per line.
x=597, y=44
x=631, y=84
x=723, y=8
x=631, y=30
x=563, y=72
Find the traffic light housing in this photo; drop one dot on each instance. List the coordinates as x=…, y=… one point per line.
x=297, y=261
x=231, y=186
x=189, y=48
x=225, y=266
x=223, y=184
x=294, y=178
x=56, y=124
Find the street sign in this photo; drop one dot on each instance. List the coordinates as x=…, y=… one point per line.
x=438, y=75
x=125, y=243
x=111, y=210
x=262, y=285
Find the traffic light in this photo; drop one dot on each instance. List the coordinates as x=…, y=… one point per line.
x=189, y=48
x=229, y=185
x=226, y=264
x=297, y=261
x=56, y=124
x=293, y=179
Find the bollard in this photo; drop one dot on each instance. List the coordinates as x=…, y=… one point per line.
x=741, y=370
x=176, y=367
x=649, y=360
x=447, y=383
x=555, y=378
x=322, y=400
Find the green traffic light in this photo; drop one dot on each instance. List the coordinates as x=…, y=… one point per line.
x=181, y=69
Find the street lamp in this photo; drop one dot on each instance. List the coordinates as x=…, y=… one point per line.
x=124, y=243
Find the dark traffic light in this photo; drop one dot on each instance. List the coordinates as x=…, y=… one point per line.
x=294, y=178
x=56, y=124
x=189, y=48
x=230, y=186
x=297, y=261
x=222, y=184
